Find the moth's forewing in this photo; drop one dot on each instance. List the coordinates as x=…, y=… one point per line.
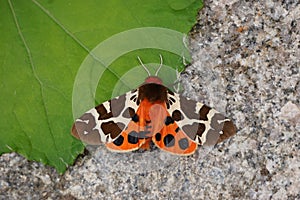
x=105, y=122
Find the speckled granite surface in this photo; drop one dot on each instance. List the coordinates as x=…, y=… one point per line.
x=246, y=64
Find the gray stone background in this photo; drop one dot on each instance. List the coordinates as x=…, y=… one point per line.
x=246, y=65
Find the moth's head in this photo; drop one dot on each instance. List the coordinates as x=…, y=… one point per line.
x=153, y=79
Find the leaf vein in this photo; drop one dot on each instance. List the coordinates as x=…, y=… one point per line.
x=33, y=69
x=48, y=13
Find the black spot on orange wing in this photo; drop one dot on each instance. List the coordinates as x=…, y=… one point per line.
x=169, y=120
x=183, y=143
x=174, y=142
x=133, y=137
x=135, y=118
x=158, y=137
x=169, y=140
x=119, y=141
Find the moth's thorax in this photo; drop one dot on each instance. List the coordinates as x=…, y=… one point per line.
x=153, y=92
x=153, y=79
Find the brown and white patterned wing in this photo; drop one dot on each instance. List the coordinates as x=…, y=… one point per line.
x=106, y=121
x=204, y=125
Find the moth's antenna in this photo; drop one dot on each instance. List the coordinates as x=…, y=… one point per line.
x=161, y=62
x=144, y=66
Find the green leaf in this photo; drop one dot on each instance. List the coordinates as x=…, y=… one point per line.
x=52, y=52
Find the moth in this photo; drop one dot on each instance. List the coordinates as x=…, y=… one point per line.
x=153, y=114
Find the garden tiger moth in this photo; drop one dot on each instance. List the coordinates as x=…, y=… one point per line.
x=153, y=113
